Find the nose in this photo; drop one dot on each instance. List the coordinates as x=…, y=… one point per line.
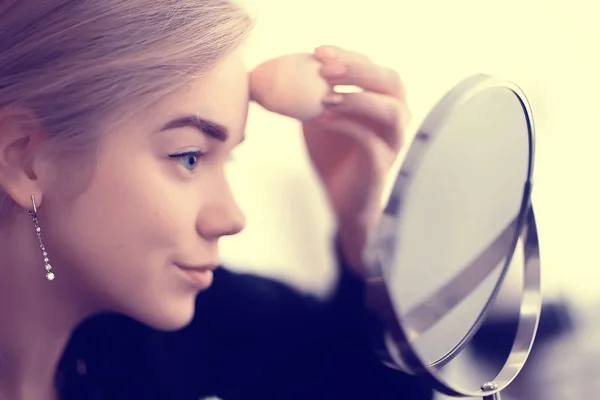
x=221, y=216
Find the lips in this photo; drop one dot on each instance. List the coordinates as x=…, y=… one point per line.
x=199, y=267
x=200, y=276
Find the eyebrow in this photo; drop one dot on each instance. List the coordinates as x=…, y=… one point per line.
x=209, y=128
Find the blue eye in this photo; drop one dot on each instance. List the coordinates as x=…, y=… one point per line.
x=189, y=160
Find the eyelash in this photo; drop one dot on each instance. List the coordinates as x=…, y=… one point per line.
x=197, y=154
x=182, y=156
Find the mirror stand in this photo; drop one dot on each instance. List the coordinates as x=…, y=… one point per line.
x=495, y=396
x=489, y=386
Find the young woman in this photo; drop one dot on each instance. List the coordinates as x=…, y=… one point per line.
x=116, y=121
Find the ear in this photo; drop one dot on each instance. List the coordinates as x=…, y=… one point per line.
x=21, y=156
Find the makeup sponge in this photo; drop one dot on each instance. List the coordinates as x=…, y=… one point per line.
x=290, y=85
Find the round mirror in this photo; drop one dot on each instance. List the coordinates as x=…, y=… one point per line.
x=459, y=209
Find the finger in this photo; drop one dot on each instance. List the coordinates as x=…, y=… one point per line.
x=387, y=115
x=370, y=145
x=369, y=77
x=343, y=67
x=327, y=54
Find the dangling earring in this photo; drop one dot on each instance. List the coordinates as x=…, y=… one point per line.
x=34, y=215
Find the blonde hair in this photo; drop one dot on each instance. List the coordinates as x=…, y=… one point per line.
x=79, y=64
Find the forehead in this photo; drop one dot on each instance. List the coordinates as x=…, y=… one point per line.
x=221, y=96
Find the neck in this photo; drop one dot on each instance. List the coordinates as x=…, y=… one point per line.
x=37, y=316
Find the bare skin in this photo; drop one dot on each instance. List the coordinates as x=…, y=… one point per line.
x=156, y=200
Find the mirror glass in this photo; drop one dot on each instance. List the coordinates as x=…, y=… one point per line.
x=459, y=212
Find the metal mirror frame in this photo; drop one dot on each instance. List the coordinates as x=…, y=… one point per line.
x=391, y=338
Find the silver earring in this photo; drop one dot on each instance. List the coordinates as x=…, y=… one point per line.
x=34, y=215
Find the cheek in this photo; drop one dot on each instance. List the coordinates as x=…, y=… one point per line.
x=129, y=219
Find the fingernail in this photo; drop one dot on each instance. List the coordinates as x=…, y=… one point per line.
x=333, y=99
x=326, y=52
x=334, y=70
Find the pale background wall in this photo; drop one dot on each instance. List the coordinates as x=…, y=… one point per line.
x=550, y=48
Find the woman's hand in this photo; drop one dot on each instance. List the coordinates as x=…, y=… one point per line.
x=354, y=144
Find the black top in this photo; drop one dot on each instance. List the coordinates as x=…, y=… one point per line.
x=251, y=338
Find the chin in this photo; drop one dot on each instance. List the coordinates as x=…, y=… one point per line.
x=168, y=317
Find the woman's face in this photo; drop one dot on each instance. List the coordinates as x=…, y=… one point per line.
x=158, y=202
